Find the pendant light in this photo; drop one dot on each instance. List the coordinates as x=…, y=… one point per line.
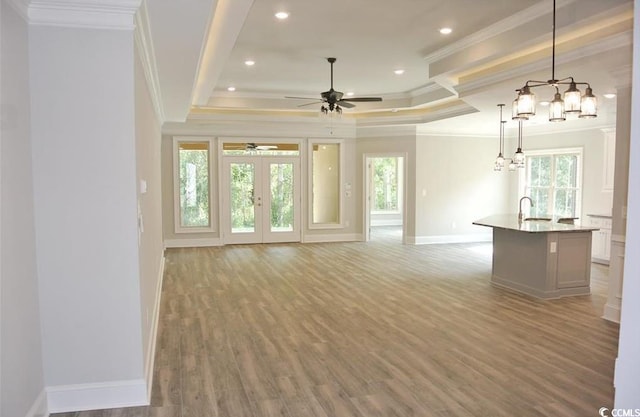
x=499, y=164
x=585, y=105
x=518, y=157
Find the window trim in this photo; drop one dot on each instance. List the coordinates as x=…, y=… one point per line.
x=522, y=177
x=177, y=223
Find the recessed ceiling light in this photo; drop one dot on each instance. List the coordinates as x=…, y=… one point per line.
x=350, y=93
x=446, y=31
x=282, y=15
x=544, y=103
x=249, y=63
x=398, y=72
x=609, y=95
x=231, y=89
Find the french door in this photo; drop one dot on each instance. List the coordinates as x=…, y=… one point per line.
x=261, y=196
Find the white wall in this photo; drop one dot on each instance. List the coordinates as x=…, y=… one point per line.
x=21, y=378
x=84, y=166
x=628, y=363
x=148, y=141
x=455, y=185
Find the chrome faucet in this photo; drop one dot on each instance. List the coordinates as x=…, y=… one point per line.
x=520, y=215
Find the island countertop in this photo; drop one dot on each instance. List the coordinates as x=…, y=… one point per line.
x=510, y=222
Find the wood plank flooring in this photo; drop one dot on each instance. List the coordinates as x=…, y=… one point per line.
x=366, y=330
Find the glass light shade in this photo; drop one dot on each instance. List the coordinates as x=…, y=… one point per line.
x=556, y=109
x=497, y=167
x=572, y=99
x=500, y=160
x=518, y=158
x=512, y=165
x=526, y=102
x=514, y=112
x=588, y=105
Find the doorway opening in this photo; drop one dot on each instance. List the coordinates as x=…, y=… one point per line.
x=384, y=197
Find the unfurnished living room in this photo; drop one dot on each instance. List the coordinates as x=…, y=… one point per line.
x=347, y=208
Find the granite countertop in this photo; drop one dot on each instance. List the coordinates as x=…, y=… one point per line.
x=510, y=222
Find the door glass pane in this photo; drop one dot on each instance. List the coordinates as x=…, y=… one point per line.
x=194, y=184
x=281, y=183
x=242, y=198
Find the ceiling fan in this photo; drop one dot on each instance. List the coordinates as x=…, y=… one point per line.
x=248, y=147
x=334, y=98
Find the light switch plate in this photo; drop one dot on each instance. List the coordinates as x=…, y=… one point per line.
x=553, y=247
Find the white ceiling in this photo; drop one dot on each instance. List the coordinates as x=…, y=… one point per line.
x=451, y=83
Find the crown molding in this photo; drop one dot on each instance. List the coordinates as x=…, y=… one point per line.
x=476, y=85
x=142, y=36
x=88, y=14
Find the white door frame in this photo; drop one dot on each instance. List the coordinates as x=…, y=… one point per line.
x=366, y=187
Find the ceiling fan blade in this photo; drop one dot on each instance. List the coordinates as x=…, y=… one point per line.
x=362, y=99
x=345, y=104
x=309, y=104
x=303, y=98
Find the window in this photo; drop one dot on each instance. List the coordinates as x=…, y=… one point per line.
x=326, y=162
x=554, y=181
x=192, y=179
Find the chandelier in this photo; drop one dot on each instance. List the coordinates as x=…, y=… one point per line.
x=573, y=102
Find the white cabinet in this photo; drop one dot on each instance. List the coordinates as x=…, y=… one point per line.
x=601, y=242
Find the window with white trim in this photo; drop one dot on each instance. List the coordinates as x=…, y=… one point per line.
x=553, y=179
x=192, y=183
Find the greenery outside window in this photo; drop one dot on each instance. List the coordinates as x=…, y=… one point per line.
x=192, y=181
x=553, y=179
x=385, y=181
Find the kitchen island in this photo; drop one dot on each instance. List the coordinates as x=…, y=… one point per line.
x=540, y=257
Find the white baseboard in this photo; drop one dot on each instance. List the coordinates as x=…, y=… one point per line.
x=39, y=407
x=151, y=348
x=97, y=396
x=611, y=313
x=192, y=243
x=433, y=240
x=348, y=237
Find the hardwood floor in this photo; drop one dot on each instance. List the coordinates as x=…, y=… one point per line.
x=370, y=329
